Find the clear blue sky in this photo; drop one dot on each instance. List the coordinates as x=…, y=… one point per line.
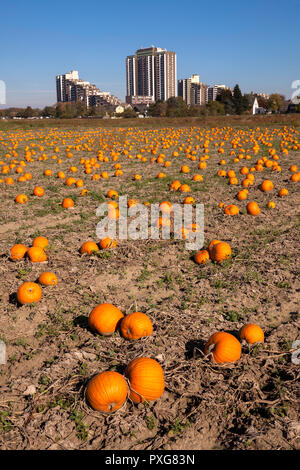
x=254, y=43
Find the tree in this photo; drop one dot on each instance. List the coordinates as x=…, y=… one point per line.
x=48, y=111
x=158, y=108
x=128, y=113
x=238, y=100
x=215, y=107
x=226, y=98
x=176, y=106
x=275, y=102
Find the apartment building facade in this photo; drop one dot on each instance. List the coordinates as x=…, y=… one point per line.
x=192, y=91
x=151, y=72
x=71, y=89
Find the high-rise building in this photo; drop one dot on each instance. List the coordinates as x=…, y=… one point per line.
x=151, y=72
x=192, y=91
x=216, y=90
x=70, y=88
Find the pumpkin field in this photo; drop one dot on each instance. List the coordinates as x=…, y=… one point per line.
x=144, y=344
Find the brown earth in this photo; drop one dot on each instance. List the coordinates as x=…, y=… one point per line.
x=51, y=353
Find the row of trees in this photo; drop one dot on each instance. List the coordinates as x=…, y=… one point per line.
x=225, y=103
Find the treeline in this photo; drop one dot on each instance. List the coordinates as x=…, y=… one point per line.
x=225, y=103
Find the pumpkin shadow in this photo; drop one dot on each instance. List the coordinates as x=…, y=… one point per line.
x=233, y=333
x=81, y=321
x=13, y=299
x=194, y=348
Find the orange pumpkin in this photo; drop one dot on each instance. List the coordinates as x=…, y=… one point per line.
x=107, y=243
x=67, y=203
x=166, y=207
x=104, y=319
x=266, y=185
x=36, y=254
x=107, y=391
x=210, y=246
x=48, y=279
x=39, y=191
x=28, y=293
x=41, y=242
x=253, y=208
x=224, y=347
x=146, y=378
x=231, y=209
x=21, y=199
x=283, y=192
x=251, y=333
x=18, y=251
x=220, y=252
x=201, y=257
x=136, y=325
x=89, y=247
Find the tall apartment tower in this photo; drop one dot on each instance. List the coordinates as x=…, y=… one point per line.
x=193, y=91
x=151, y=73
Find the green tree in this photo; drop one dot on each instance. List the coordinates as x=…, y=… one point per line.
x=238, y=100
x=157, y=109
x=275, y=102
x=226, y=98
x=176, y=107
x=128, y=113
x=215, y=107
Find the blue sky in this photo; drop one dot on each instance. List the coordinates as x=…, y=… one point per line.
x=253, y=43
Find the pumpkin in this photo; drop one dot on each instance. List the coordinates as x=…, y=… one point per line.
x=21, y=199
x=163, y=222
x=231, y=209
x=48, y=279
x=210, y=246
x=175, y=185
x=67, y=203
x=283, y=192
x=184, y=169
x=220, y=251
x=107, y=391
x=266, y=185
x=104, y=319
x=112, y=194
x=113, y=213
x=39, y=191
x=107, y=243
x=146, y=378
x=295, y=177
x=271, y=205
x=41, y=242
x=184, y=188
x=28, y=293
x=241, y=195
x=166, y=207
x=251, y=333
x=201, y=257
x=89, y=247
x=224, y=347
x=135, y=326
x=18, y=251
x=36, y=254
x=253, y=208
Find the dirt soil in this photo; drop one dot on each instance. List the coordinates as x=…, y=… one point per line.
x=51, y=353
